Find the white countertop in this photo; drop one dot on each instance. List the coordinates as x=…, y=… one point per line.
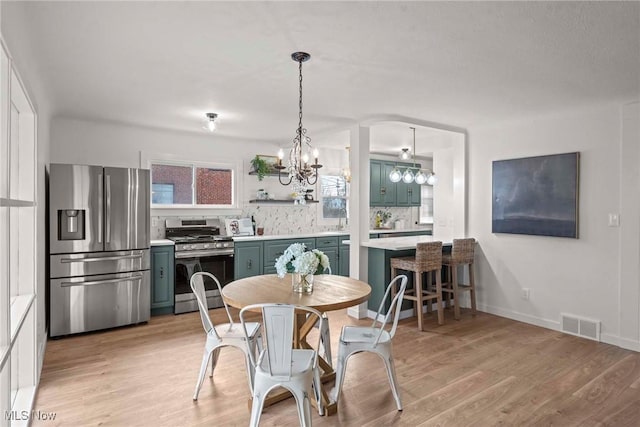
x=397, y=230
x=400, y=243
x=162, y=242
x=289, y=236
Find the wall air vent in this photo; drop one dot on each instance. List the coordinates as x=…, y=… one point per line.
x=580, y=326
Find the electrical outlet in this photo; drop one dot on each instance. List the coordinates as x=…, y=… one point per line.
x=526, y=293
x=154, y=221
x=614, y=220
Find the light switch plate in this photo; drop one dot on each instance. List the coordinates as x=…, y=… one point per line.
x=614, y=220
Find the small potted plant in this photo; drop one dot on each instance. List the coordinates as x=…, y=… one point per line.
x=260, y=167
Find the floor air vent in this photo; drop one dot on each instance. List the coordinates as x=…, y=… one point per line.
x=580, y=326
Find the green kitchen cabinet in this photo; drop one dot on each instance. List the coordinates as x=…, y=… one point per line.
x=248, y=258
x=408, y=194
x=382, y=192
x=273, y=249
x=162, y=279
x=329, y=245
x=343, y=261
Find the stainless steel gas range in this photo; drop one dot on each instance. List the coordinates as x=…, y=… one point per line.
x=201, y=245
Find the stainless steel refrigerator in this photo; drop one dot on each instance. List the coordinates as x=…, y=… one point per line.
x=98, y=247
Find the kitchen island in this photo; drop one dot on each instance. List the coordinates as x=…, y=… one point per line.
x=380, y=253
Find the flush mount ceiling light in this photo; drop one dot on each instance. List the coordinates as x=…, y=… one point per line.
x=412, y=173
x=211, y=124
x=301, y=173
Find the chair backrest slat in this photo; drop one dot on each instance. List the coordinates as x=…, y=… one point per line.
x=278, y=326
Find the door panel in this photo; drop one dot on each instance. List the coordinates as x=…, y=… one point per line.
x=126, y=200
x=92, y=303
x=77, y=188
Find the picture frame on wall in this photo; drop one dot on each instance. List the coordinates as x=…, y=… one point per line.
x=536, y=195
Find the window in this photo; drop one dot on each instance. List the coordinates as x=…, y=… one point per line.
x=333, y=190
x=18, y=245
x=190, y=185
x=426, y=206
x=162, y=194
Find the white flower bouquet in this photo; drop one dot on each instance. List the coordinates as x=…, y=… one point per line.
x=298, y=259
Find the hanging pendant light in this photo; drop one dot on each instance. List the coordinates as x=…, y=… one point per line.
x=420, y=177
x=301, y=173
x=395, y=175
x=432, y=179
x=407, y=176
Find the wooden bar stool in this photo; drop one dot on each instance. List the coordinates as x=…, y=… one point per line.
x=462, y=253
x=428, y=259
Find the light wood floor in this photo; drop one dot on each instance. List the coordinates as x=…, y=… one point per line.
x=480, y=371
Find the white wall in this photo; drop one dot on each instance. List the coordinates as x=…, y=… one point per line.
x=14, y=28
x=120, y=145
x=577, y=276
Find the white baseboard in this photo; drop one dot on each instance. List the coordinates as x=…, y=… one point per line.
x=625, y=343
x=533, y=320
x=521, y=317
x=620, y=342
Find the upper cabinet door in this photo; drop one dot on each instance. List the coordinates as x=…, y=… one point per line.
x=126, y=204
x=382, y=192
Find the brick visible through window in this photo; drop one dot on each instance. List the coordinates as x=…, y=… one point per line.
x=173, y=185
x=214, y=186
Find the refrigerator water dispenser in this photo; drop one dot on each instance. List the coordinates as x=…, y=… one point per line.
x=71, y=224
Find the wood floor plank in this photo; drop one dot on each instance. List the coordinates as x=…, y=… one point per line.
x=482, y=370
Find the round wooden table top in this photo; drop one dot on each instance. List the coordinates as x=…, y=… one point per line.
x=329, y=292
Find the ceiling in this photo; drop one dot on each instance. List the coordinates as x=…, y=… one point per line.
x=461, y=64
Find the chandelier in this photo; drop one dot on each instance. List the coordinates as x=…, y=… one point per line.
x=301, y=172
x=420, y=177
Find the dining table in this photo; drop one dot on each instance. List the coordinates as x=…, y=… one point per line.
x=330, y=292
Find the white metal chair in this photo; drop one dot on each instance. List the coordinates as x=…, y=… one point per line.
x=281, y=365
x=325, y=334
x=227, y=334
x=375, y=339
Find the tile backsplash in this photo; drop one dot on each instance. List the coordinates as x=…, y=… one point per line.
x=288, y=219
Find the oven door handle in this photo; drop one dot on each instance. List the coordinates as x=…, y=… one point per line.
x=197, y=254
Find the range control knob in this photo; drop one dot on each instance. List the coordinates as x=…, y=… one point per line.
x=205, y=246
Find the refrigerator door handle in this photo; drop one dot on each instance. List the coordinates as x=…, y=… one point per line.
x=98, y=259
x=136, y=278
x=107, y=237
x=100, y=220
